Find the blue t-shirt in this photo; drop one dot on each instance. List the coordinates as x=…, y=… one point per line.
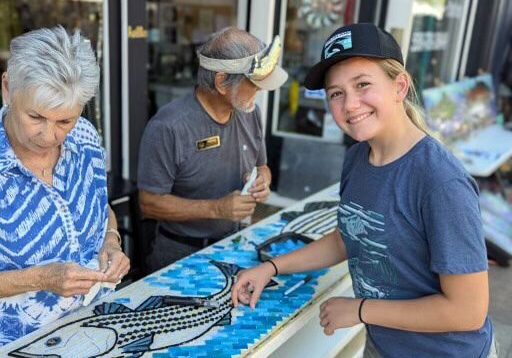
x=403, y=225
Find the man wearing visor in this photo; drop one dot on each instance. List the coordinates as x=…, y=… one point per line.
x=197, y=151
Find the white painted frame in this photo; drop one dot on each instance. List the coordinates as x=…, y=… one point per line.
x=261, y=25
x=106, y=87
x=125, y=111
x=241, y=18
x=459, y=46
x=467, y=40
x=402, y=20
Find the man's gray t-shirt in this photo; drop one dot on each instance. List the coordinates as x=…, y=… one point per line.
x=185, y=153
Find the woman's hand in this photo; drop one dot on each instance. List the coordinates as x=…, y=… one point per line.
x=68, y=279
x=339, y=312
x=250, y=283
x=113, y=262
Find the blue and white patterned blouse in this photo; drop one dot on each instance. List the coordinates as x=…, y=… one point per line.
x=40, y=224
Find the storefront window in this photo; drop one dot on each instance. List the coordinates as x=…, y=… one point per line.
x=436, y=41
x=20, y=16
x=308, y=24
x=176, y=29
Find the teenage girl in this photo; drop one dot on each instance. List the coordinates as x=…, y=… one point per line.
x=408, y=219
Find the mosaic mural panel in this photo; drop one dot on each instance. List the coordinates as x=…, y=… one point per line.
x=185, y=310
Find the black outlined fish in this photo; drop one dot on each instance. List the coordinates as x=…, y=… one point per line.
x=316, y=220
x=118, y=331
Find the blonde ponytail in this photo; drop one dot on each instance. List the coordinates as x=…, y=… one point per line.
x=411, y=103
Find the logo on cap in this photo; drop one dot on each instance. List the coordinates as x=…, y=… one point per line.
x=338, y=43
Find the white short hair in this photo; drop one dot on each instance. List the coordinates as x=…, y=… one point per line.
x=59, y=69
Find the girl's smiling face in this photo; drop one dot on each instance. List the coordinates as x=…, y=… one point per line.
x=362, y=98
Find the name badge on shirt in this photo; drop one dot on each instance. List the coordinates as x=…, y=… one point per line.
x=208, y=143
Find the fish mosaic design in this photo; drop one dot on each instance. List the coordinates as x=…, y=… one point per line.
x=160, y=327
x=155, y=324
x=316, y=220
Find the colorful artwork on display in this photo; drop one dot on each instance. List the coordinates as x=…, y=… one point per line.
x=185, y=310
x=455, y=110
x=497, y=220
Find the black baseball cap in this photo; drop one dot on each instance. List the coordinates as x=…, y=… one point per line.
x=355, y=40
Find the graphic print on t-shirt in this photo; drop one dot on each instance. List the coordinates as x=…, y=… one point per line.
x=369, y=263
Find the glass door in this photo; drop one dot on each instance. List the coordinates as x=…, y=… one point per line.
x=20, y=16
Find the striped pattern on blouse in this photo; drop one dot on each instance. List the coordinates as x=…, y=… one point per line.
x=40, y=224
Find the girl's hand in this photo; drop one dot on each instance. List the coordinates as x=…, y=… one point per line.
x=250, y=283
x=339, y=312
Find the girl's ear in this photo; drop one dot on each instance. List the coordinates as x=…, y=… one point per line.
x=220, y=77
x=402, y=87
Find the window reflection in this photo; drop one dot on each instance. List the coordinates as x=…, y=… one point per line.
x=176, y=29
x=308, y=24
x=20, y=16
x=435, y=45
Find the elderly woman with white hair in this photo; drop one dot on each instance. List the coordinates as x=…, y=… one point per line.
x=58, y=235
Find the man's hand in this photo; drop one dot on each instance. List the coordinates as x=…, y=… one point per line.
x=112, y=260
x=250, y=283
x=69, y=279
x=339, y=312
x=235, y=207
x=260, y=189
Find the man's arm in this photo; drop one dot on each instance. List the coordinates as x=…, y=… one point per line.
x=233, y=207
